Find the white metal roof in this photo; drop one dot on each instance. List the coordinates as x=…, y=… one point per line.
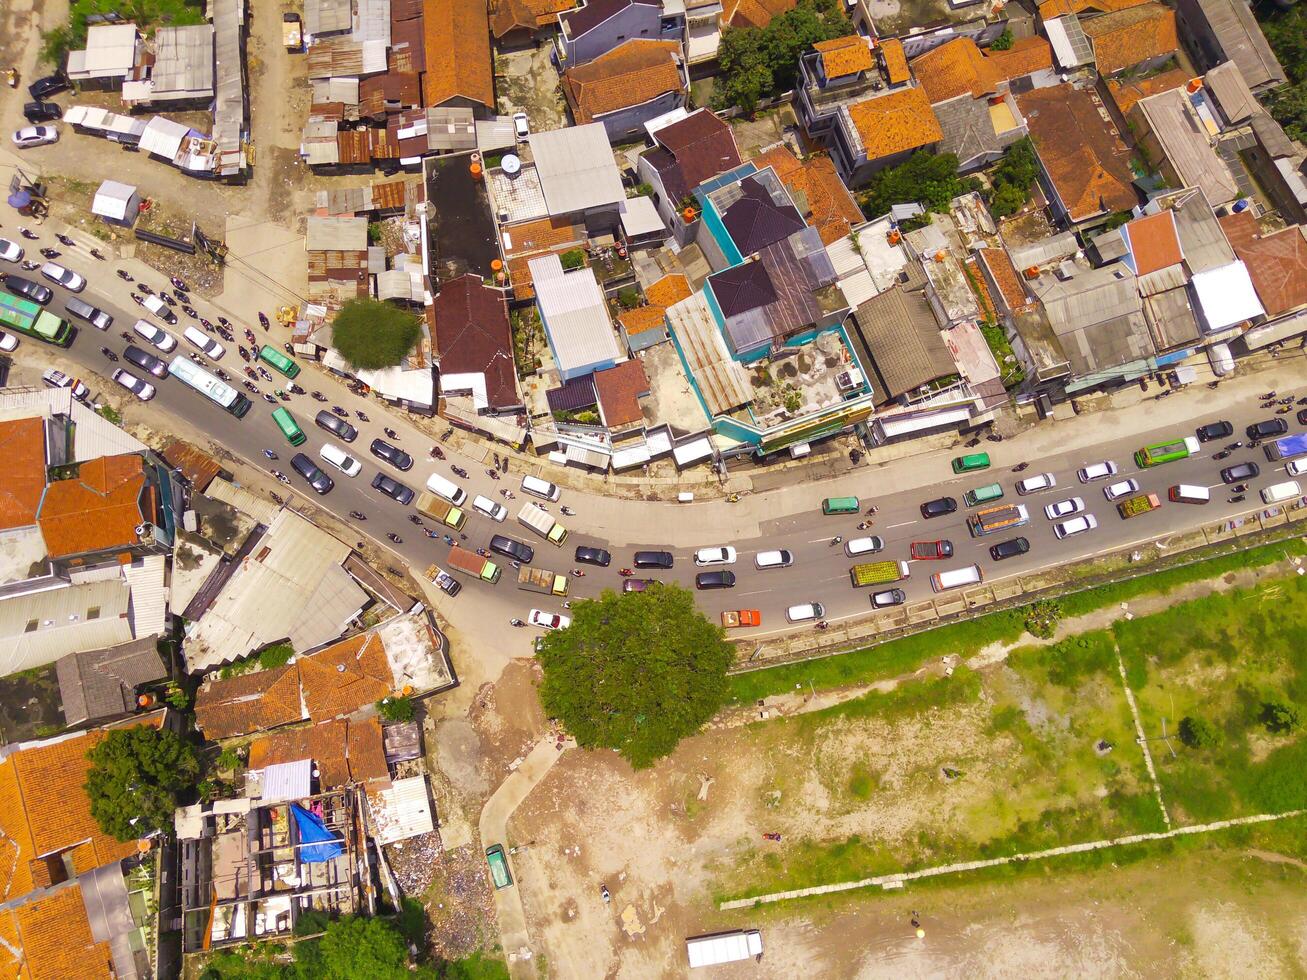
x=575, y=314
x=283, y=781
x=110, y=51
x=577, y=168
x=640, y=217
x=183, y=62
x=402, y=811
x=163, y=137
x=336, y=234
x=1226, y=296
x=64, y=622
x=112, y=198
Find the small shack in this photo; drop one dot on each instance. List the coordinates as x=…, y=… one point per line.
x=117, y=203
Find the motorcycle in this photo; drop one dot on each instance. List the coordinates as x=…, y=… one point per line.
x=444, y=436
x=577, y=573
x=363, y=417
x=390, y=433
x=224, y=321
x=249, y=373
x=97, y=254
x=318, y=396
x=124, y=275
x=243, y=352
x=221, y=374
x=263, y=321
x=396, y=538
x=437, y=452
x=167, y=299
x=138, y=299
x=282, y=395
x=516, y=622
x=179, y=284
x=32, y=236
x=836, y=540
x=822, y=625
x=430, y=533
x=276, y=498
x=269, y=399
x=181, y=295
x=191, y=312
x=603, y=890
x=414, y=519
x=264, y=373
x=51, y=253
x=144, y=288
x=493, y=474
x=358, y=515
x=281, y=477
x=296, y=389
x=1269, y=395
x=289, y=348
x=567, y=511
x=625, y=572
x=1235, y=500
x=250, y=387
x=251, y=337
x=506, y=493
x=270, y=454
x=208, y=327
x=31, y=266
x=1240, y=488
x=337, y=410
x=108, y=353
x=448, y=540
x=1222, y=454
x=459, y=472
x=65, y=240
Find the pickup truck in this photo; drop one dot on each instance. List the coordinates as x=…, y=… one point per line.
x=462, y=560
x=440, y=509
x=732, y=618
x=541, y=580
x=878, y=573
x=440, y=578
x=542, y=522
x=1134, y=506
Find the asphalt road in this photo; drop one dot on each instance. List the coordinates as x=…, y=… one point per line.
x=820, y=572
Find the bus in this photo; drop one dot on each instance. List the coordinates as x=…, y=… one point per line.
x=983, y=495
x=1166, y=452
x=840, y=505
x=969, y=463
x=278, y=361
x=223, y=395
x=286, y=423
x=34, y=320
x=1004, y=517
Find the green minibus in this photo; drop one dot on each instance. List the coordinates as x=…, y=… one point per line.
x=971, y=462
x=983, y=495
x=286, y=423
x=840, y=505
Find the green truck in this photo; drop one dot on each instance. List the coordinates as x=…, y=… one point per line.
x=878, y=573
x=1141, y=504
x=541, y=580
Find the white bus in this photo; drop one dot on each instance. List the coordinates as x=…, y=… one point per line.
x=223, y=395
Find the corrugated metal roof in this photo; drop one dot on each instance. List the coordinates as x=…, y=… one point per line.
x=183, y=62
x=40, y=625
x=573, y=395
x=163, y=136
x=575, y=314
x=149, y=611
x=721, y=382
x=283, y=781
x=326, y=16
x=263, y=511
x=1186, y=145
x=402, y=811
x=1235, y=99
x=577, y=168
x=327, y=234
x=230, y=112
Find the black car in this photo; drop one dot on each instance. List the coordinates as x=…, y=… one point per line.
x=394, y=456
x=1240, y=472
x=49, y=85
x=1302, y=416
x=145, y=361
x=305, y=467
x=888, y=597
x=1215, y=430
x=938, y=507
x=637, y=584
x=393, y=489
x=336, y=425
x=715, y=580
x=594, y=556
x=1267, y=428
x=512, y=549
x=28, y=289
x=42, y=112
x=1011, y=547
x=653, y=559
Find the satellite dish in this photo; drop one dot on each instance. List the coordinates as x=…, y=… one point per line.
x=510, y=165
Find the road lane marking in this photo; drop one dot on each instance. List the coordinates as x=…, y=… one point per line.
x=891, y=527
x=759, y=592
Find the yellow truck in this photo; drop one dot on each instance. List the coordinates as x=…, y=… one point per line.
x=878, y=573
x=440, y=509
x=1141, y=504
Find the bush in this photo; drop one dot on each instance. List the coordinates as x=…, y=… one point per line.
x=371, y=334
x=629, y=298
x=1280, y=717
x=228, y=760
x=1199, y=733
x=573, y=258
x=1042, y=618
x=395, y=709
x=277, y=655
x=1004, y=41
x=928, y=179
x=1012, y=178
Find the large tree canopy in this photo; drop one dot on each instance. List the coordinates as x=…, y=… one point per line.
x=636, y=672
x=371, y=334
x=1287, y=32
x=928, y=179
x=135, y=779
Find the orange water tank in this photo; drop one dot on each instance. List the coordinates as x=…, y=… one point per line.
x=895, y=236
x=688, y=214
x=496, y=265
x=476, y=170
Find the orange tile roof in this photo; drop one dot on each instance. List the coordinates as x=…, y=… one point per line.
x=344, y=751
x=896, y=62
x=999, y=264
x=892, y=123
x=345, y=676
x=1124, y=38
x=817, y=190
x=1154, y=242
x=249, y=702
x=629, y=75
x=541, y=234
x=668, y=290
x=367, y=752
x=1026, y=56
x=844, y=56
x=618, y=390
x=457, y=41
x=959, y=67
x=98, y=509
x=642, y=318
x=1050, y=9
x=1126, y=92
x=54, y=934
x=755, y=13
x=22, y=447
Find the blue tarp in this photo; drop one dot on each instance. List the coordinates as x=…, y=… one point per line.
x=319, y=843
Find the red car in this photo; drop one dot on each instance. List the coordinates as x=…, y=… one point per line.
x=927, y=550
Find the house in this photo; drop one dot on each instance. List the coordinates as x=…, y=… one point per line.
x=1127, y=90
x=578, y=176
x=1142, y=38
x=685, y=154
x=815, y=189
x=574, y=313
x=113, y=505
x=618, y=390
x=754, y=13
x=101, y=685
x=744, y=215
x=646, y=326
x=474, y=345
x=836, y=74
x=627, y=87
x=1277, y=163
x=602, y=25
x=1226, y=30
x=900, y=342
x=1226, y=90
x=111, y=51
x=881, y=132
x=1277, y=263
x=459, y=65
x=116, y=203
x=1085, y=166
x=519, y=23
x=180, y=71
x=1176, y=140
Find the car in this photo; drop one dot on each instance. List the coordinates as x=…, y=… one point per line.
x=141, y=389
x=29, y=290
x=93, y=315
x=805, y=611
x=1214, y=430
x=157, y=336
x=1064, y=508
x=8, y=342
x=446, y=582
x=492, y=510
x=512, y=548
x=653, y=559
x=11, y=251
x=715, y=580
x=1097, y=471
x=393, y=455
x=1122, y=488
x=30, y=136
x=1009, y=549
x=548, y=621
x=63, y=276
x=1077, y=525
x=1240, y=472
x=393, y=489
x=336, y=426
x=594, y=556
x=864, y=546
x=340, y=459
x=521, y=126
x=49, y=85
x=1267, y=428
x=145, y=361
x=312, y=473
x=1296, y=467
x=774, y=559
x=39, y=112
x=888, y=597
x=1302, y=416
x=939, y=507
x=160, y=309
x=715, y=556
x=202, y=342
x=57, y=379
x=636, y=584
x=929, y=550
x=1033, y=484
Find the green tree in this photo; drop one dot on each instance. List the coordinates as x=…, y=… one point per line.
x=744, y=77
x=371, y=334
x=1007, y=199
x=1286, y=30
x=136, y=777
x=277, y=655
x=355, y=947
x=928, y=179
x=1012, y=178
x=1280, y=717
x=1199, y=733
x=759, y=63
x=635, y=672
x=395, y=708
x=1004, y=41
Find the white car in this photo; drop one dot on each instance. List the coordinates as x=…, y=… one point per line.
x=340, y=459
x=11, y=251
x=1123, y=488
x=864, y=546
x=521, y=127
x=1064, y=508
x=35, y=136
x=8, y=342
x=492, y=510
x=1077, y=525
x=1096, y=471
x=548, y=621
x=57, y=379
x=64, y=276
x=161, y=339
x=141, y=389
x=1033, y=484
x=805, y=611
x=1297, y=467
x=715, y=556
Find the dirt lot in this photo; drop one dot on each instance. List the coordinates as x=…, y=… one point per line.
x=526, y=81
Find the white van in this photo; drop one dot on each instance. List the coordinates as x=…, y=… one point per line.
x=202, y=342
x=1296, y=467
x=774, y=559
x=540, y=488
x=492, y=510
x=1187, y=493
x=864, y=546
x=340, y=459
x=452, y=492
x=955, y=579
x=805, y=611
x=1281, y=492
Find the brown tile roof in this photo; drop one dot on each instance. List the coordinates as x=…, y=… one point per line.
x=618, y=389
x=345, y=676
x=892, y=123
x=1026, y=56
x=1124, y=38
x=668, y=290
x=959, y=67
x=541, y=234
x=1154, y=242
x=999, y=264
x=629, y=75
x=507, y=15
x=249, y=702
x=472, y=336
x=755, y=13
x=197, y=466
x=344, y=751
x=54, y=934
x=844, y=56
x=896, y=61
x=367, y=751
x=1277, y=262
x=1060, y=8
x=697, y=148
x=1126, y=92
x=1086, y=161
x=22, y=447
x=642, y=318
x=815, y=186
x=457, y=40
x=98, y=509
